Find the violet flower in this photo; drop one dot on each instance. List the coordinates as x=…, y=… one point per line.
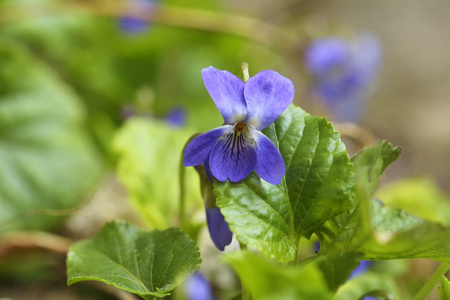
x=198, y=288
x=176, y=117
x=364, y=265
x=343, y=72
x=237, y=148
x=132, y=25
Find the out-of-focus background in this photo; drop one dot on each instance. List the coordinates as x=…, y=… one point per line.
x=88, y=99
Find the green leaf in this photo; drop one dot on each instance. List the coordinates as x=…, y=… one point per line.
x=268, y=280
x=419, y=196
x=397, y=234
x=149, y=154
x=444, y=289
x=48, y=160
x=144, y=263
x=371, y=162
x=369, y=283
x=336, y=267
x=317, y=186
x=351, y=227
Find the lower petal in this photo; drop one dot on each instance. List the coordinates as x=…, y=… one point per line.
x=218, y=228
x=198, y=150
x=233, y=157
x=270, y=165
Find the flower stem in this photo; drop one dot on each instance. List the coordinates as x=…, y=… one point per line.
x=182, y=192
x=244, y=70
x=431, y=283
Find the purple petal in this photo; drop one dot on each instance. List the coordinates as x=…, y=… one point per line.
x=326, y=54
x=267, y=95
x=218, y=228
x=132, y=25
x=198, y=288
x=361, y=269
x=233, y=157
x=197, y=151
x=316, y=247
x=227, y=92
x=270, y=165
x=343, y=72
x=176, y=117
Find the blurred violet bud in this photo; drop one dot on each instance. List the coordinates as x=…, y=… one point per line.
x=132, y=25
x=176, y=117
x=364, y=265
x=219, y=230
x=370, y=298
x=316, y=247
x=343, y=73
x=198, y=288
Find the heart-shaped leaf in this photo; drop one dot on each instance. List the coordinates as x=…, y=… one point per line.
x=149, y=264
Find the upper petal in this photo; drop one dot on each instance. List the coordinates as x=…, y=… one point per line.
x=270, y=164
x=233, y=157
x=227, y=92
x=267, y=95
x=198, y=150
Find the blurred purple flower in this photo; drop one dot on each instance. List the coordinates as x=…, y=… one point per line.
x=343, y=73
x=364, y=265
x=176, y=117
x=316, y=247
x=198, y=288
x=237, y=148
x=132, y=25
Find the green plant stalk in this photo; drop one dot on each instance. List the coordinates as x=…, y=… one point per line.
x=244, y=71
x=431, y=283
x=182, y=175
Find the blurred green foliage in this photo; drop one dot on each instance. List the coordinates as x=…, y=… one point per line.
x=48, y=159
